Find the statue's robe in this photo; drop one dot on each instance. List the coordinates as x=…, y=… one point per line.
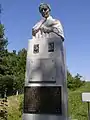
x=50, y=24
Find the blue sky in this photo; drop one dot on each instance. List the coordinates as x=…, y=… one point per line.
x=19, y=16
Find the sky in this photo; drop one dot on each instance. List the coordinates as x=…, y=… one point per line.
x=19, y=16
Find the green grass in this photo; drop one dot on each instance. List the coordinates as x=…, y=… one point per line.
x=77, y=108
x=13, y=109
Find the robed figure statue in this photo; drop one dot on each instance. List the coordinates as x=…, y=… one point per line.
x=47, y=24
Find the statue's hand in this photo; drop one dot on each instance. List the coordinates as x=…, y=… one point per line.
x=34, y=31
x=45, y=30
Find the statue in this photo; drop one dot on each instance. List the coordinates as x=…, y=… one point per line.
x=48, y=24
x=45, y=91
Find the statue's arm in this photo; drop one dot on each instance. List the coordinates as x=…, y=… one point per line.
x=58, y=29
x=34, y=31
x=55, y=27
x=36, y=28
x=46, y=29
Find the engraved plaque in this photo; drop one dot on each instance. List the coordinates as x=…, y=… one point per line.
x=43, y=100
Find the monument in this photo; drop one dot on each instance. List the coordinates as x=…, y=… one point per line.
x=45, y=91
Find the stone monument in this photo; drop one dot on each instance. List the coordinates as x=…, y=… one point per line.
x=45, y=91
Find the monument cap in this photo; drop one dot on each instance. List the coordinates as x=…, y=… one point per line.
x=44, y=6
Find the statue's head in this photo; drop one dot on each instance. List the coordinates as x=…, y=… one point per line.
x=44, y=9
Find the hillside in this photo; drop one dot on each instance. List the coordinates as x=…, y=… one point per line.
x=77, y=109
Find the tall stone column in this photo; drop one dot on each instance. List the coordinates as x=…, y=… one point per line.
x=45, y=91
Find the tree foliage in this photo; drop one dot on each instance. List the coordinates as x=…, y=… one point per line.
x=74, y=82
x=12, y=67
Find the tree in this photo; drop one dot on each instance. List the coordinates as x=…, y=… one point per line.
x=3, y=40
x=18, y=66
x=69, y=80
x=77, y=80
x=3, y=53
x=74, y=82
x=21, y=68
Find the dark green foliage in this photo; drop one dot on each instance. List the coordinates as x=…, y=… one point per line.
x=3, y=54
x=74, y=82
x=12, y=67
x=3, y=40
x=1, y=30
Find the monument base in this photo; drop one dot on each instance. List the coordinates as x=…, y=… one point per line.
x=42, y=117
x=45, y=92
x=43, y=103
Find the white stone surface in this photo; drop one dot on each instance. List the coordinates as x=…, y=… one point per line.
x=44, y=66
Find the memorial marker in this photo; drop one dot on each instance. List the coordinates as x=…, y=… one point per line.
x=45, y=91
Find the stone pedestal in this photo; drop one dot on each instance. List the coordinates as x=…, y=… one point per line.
x=45, y=92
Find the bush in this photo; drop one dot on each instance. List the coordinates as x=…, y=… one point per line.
x=74, y=82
